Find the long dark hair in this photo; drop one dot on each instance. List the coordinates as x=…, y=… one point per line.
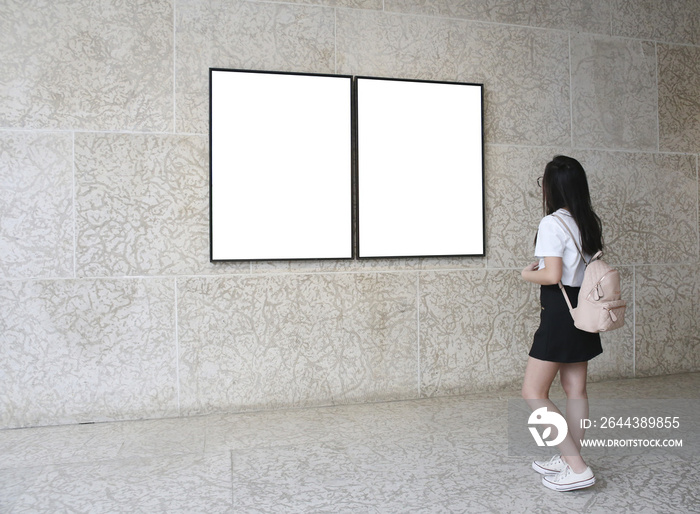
x=565, y=185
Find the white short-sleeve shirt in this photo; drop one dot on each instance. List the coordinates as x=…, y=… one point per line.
x=553, y=240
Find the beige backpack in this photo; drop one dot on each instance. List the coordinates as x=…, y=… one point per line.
x=600, y=305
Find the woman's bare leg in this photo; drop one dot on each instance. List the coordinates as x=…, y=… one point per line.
x=573, y=378
x=539, y=376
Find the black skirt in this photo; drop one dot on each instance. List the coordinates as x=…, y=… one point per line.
x=557, y=339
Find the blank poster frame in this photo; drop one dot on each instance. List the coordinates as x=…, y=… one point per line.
x=281, y=165
x=370, y=194
x=420, y=168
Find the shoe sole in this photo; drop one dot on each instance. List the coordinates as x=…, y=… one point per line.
x=545, y=471
x=569, y=487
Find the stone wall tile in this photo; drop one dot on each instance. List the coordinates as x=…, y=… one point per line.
x=514, y=202
x=525, y=71
x=244, y=35
x=673, y=21
x=296, y=340
x=614, y=93
x=74, y=351
x=36, y=205
x=648, y=205
x=576, y=16
x=476, y=330
x=87, y=65
x=667, y=322
x=679, y=100
x=143, y=206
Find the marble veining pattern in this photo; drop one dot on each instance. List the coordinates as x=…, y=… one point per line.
x=244, y=35
x=108, y=301
x=524, y=71
x=614, y=93
x=648, y=204
x=430, y=455
x=677, y=21
x=297, y=340
x=86, y=350
x=368, y=265
x=188, y=483
x=679, y=83
x=36, y=205
x=471, y=336
x=514, y=202
x=84, y=64
x=334, y=265
x=668, y=326
x=143, y=205
x=376, y=5
x=577, y=15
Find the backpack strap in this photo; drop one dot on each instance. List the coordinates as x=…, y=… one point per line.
x=561, y=221
x=566, y=296
x=597, y=255
x=561, y=286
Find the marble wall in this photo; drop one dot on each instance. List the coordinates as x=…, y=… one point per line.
x=110, y=308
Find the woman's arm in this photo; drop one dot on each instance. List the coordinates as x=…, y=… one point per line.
x=549, y=275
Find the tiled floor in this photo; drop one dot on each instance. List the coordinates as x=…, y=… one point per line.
x=437, y=455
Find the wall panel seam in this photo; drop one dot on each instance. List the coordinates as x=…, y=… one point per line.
x=74, y=204
x=658, y=124
x=418, y=395
x=177, y=350
x=634, y=321
x=486, y=22
x=335, y=41
x=571, y=98
x=697, y=205
x=174, y=4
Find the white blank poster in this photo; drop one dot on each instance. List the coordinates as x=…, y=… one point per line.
x=420, y=168
x=281, y=175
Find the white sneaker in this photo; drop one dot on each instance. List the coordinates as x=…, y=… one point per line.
x=549, y=467
x=567, y=480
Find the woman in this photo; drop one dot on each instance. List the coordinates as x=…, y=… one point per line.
x=558, y=345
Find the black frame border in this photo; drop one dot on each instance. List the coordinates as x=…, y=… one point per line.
x=353, y=164
x=356, y=250
x=354, y=171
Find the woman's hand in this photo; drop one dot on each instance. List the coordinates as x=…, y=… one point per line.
x=549, y=274
x=530, y=267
